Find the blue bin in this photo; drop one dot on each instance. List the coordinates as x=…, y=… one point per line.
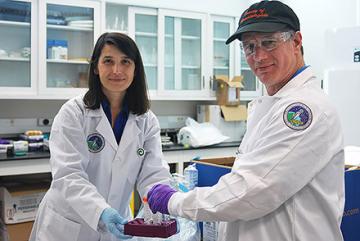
x=351, y=219
x=210, y=170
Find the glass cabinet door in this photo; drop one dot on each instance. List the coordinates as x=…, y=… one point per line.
x=183, y=69
x=15, y=44
x=222, y=55
x=182, y=54
x=221, y=51
x=66, y=48
x=116, y=18
x=143, y=28
x=69, y=44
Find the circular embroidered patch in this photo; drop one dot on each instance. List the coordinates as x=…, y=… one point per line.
x=297, y=116
x=96, y=142
x=140, y=151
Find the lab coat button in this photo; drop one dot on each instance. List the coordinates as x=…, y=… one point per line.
x=260, y=101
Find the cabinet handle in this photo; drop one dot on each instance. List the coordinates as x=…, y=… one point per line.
x=203, y=82
x=211, y=80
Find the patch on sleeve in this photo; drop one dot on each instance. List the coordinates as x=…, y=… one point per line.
x=297, y=116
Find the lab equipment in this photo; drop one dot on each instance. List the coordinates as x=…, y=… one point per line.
x=20, y=147
x=191, y=176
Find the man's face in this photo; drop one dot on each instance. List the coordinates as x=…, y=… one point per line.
x=273, y=57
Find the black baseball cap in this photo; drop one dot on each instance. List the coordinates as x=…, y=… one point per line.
x=266, y=17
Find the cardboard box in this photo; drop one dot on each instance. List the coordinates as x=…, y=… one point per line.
x=228, y=91
x=19, y=231
x=230, y=120
x=19, y=203
x=210, y=170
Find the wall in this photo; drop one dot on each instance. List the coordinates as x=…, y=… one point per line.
x=315, y=18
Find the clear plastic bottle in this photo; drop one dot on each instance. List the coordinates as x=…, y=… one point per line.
x=147, y=212
x=191, y=176
x=157, y=218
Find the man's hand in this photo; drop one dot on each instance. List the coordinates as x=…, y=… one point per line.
x=158, y=198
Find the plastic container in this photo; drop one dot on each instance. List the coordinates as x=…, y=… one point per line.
x=20, y=148
x=191, y=176
x=147, y=212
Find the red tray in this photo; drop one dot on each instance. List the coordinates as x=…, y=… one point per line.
x=137, y=227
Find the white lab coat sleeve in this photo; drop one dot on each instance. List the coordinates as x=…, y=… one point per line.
x=154, y=168
x=281, y=163
x=69, y=160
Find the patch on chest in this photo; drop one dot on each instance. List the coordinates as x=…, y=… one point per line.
x=140, y=151
x=297, y=116
x=96, y=142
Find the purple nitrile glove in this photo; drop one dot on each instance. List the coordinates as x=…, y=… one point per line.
x=158, y=198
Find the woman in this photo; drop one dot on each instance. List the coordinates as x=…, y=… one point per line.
x=101, y=145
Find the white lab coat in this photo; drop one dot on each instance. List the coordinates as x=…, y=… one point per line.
x=285, y=185
x=85, y=183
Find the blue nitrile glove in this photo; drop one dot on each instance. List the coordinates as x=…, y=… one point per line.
x=158, y=198
x=114, y=223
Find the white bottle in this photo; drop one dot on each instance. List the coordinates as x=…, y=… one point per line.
x=191, y=176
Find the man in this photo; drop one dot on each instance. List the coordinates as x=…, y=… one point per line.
x=287, y=182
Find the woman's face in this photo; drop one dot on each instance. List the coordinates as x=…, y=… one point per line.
x=115, y=70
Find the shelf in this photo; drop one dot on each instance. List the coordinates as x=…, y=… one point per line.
x=145, y=34
x=219, y=39
x=109, y=30
x=190, y=37
x=12, y=23
x=151, y=65
x=63, y=61
x=14, y=59
x=190, y=67
x=221, y=67
x=69, y=28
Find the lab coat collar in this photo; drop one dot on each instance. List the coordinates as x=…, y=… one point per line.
x=299, y=80
x=94, y=113
x=130, y=133
x=104, y=128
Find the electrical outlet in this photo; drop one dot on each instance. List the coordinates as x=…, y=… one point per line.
x=44, y=121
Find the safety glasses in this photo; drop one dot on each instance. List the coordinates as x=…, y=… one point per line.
x=266, y=43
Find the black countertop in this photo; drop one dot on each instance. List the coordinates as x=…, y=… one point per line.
x=175, y=147
x=178, y=147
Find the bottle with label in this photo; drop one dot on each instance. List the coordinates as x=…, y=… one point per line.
x=191, y=176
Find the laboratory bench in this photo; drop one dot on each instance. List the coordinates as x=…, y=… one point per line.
x=176, y=155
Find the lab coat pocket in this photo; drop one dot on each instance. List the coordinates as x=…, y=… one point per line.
x=57, y=227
